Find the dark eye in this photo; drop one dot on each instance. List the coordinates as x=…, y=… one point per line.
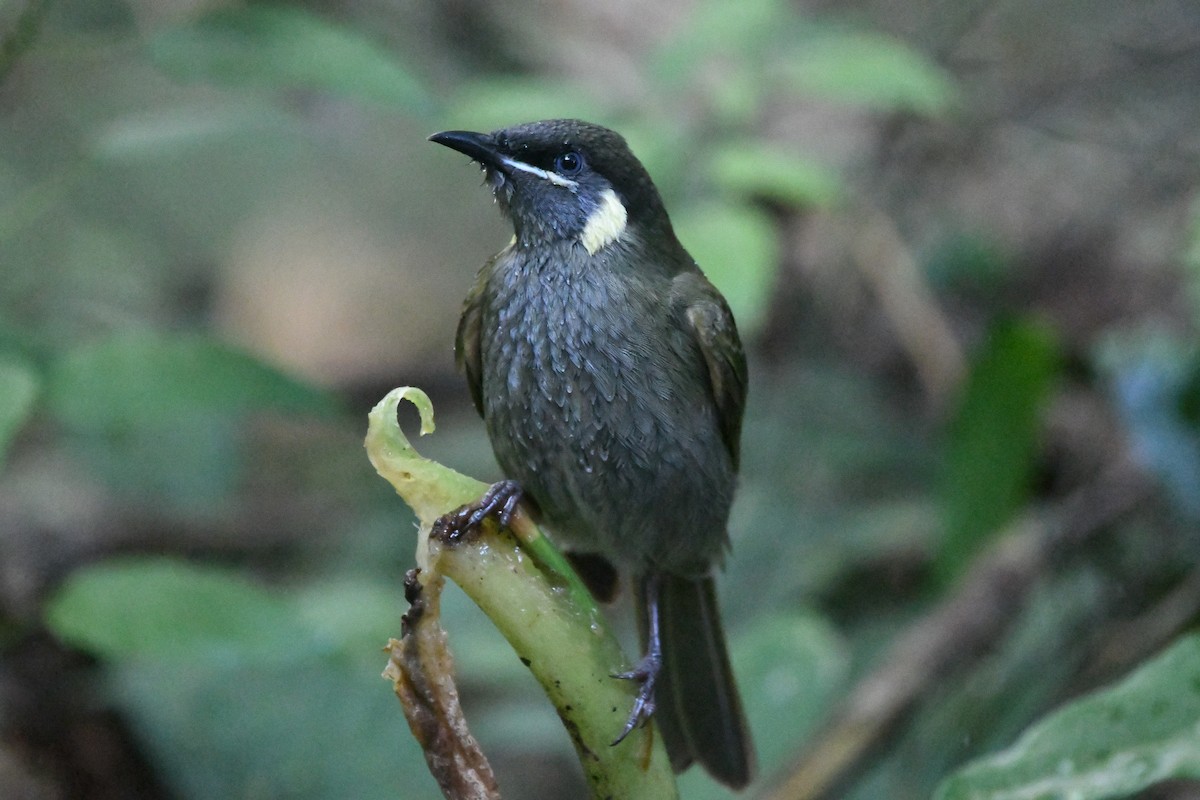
x=568, y=163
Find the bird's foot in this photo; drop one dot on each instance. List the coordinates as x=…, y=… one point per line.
x=499, y=501
x=646, y=674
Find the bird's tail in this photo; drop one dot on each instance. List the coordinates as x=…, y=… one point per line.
x=698, y=709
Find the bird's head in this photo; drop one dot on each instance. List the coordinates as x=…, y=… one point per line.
x=564, y=179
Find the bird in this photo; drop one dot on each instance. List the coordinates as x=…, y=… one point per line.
x=611, y=380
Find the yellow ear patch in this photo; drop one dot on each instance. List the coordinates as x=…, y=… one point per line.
x=605, y=225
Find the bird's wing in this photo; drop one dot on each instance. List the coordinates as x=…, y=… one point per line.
x=467, y=345
x=714, y=331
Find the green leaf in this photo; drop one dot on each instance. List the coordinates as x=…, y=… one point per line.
x=159, y=608
x=285, y=47
x=160, y=416
x=430, y=489
x=739, y=32
x=862, y=68
x=496, y=102
x=212, y=668
x=304, y=729
x=18, y=389
x=737, y=248
x=1110, y=744
x=755, y=169
x=189, y=468
x=146, y=378
x=349, y=616
x=736, y=96
x=170, y=132
x=994, y=437
x=792, y=667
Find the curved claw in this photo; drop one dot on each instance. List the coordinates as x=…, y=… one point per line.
x=499, y=501
x=646, y=674
x=646, y=671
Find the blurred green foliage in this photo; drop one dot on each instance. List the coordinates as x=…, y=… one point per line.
x=1112, y=744
x=162, y=415
x=859, y=67
x=279, y=47
x=19, y=385
x=992, y=447
x=279, y=687
x=766, y=47
x=169, y=609
x=739, y=244
x=119, y=196
x=137, y=378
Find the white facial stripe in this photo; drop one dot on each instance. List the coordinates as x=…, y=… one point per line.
x=605, y=225
x=553, y=177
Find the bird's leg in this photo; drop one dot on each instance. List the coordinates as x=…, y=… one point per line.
x=646, y=671
x=499, y=501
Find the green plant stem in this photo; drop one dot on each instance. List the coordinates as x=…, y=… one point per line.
x=527, y=589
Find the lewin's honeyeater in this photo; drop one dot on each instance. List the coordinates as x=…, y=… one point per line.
x=611, y=379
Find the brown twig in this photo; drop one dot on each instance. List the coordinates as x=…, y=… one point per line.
x=422, y=673
x=889, y=268
x=1136, y=639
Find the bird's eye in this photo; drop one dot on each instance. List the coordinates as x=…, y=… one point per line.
x=568, y=163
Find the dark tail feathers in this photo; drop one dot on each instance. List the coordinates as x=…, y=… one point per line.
x=699, y=712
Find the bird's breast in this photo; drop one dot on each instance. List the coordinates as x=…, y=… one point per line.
x=596, y=400
x=565, y=350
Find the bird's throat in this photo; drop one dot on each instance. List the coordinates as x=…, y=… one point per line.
x=605, y=225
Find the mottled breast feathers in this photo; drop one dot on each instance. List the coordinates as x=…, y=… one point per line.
x=707, y=318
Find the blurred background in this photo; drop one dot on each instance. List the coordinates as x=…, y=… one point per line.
x=962, y=244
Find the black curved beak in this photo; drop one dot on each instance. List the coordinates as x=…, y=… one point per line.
x=479, y=146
